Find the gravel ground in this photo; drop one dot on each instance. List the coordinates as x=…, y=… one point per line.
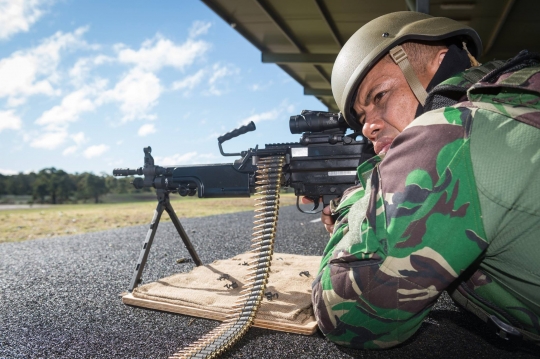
x=59, y=298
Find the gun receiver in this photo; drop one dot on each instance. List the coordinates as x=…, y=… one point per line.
x=321, y=165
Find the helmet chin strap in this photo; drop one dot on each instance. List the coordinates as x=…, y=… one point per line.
x=400, y=58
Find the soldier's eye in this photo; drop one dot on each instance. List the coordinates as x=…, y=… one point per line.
x=361, y=119
x=379, y=96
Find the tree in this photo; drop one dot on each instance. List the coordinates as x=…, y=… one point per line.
x=20, y=184
x=92, y=186
x=40, y=187
x=55, y=183
x=3, y=184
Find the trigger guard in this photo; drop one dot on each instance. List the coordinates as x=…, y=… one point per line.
x=311, y=211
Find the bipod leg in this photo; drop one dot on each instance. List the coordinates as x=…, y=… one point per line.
x=181, y=231
x=148, y=242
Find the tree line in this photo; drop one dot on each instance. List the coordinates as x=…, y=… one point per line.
x=51, y=185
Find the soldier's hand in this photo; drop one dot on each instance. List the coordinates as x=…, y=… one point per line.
x=327, y=219
x=326, y=216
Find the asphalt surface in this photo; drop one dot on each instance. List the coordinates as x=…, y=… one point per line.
x=59, y=298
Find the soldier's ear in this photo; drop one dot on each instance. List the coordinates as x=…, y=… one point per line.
x=433, y=65
x=440, y=56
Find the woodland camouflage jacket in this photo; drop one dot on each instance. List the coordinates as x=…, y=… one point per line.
x=454, y=204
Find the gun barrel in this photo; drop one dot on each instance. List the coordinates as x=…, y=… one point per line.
x=127, y=172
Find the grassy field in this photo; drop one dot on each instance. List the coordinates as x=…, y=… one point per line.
x=61, y=220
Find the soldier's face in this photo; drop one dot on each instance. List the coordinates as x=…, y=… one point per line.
x=384, y=105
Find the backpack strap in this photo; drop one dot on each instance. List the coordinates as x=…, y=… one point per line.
x=450, y=92
x=475, y=74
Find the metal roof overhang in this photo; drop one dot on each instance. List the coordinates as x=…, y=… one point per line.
x=303, y=37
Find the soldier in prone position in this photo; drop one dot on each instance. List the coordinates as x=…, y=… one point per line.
x=451, y=202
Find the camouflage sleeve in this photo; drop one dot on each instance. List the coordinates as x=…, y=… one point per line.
x=396, y=246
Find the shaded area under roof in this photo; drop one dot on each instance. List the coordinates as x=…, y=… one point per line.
x=303, y=37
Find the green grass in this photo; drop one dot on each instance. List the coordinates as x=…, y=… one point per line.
x=60, y=220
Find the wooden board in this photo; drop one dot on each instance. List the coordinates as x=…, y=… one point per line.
x=306, y=329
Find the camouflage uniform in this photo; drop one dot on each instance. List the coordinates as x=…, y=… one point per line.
x=454, y=204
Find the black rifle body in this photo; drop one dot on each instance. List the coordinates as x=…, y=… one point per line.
x=315, y=170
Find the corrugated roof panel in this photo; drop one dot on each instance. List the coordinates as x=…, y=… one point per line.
x=318, y=26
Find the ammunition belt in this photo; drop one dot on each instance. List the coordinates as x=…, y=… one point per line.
x=240, y=319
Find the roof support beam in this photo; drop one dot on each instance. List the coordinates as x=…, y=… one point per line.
x=422, y=6
x=329, y=22
x=322, y=59
x=418, y=5
x=282, y=26
x=498, y=26
x=287, y=32
x=215, y=7
x=317, y=92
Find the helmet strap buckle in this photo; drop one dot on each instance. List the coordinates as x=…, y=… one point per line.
x=401, y=59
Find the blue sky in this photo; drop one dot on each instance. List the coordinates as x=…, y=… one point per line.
x=85, y=85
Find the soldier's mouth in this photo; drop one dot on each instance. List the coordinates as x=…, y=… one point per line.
x=382, y=145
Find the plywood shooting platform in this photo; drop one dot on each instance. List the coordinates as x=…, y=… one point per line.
x=208, y=292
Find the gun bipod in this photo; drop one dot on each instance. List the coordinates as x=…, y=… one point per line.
x=164, y=203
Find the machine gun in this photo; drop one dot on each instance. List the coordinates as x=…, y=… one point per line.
x=320, y=166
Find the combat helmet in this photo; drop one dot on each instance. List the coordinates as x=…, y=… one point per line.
x=383, y=35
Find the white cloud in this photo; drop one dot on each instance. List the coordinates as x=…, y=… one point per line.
x=18, y=15
x=159, y=52
x=50, y=140
x=263, y=116
x=284, y=109
x=9, y=121
x=219, y=72
x=139, y=90
x=95, y=151
x=69, y=150
x=137, y=93
x=80, y=71
x=259, y=87
x=72, y=106
x=79, y=138
x=186, y=158
x=189, y=82
x=199, y=28
x=34, y=71
x=213, y=135
x=147, y=129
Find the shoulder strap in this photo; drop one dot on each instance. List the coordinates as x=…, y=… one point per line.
x=474, y=74
x=451, y=91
